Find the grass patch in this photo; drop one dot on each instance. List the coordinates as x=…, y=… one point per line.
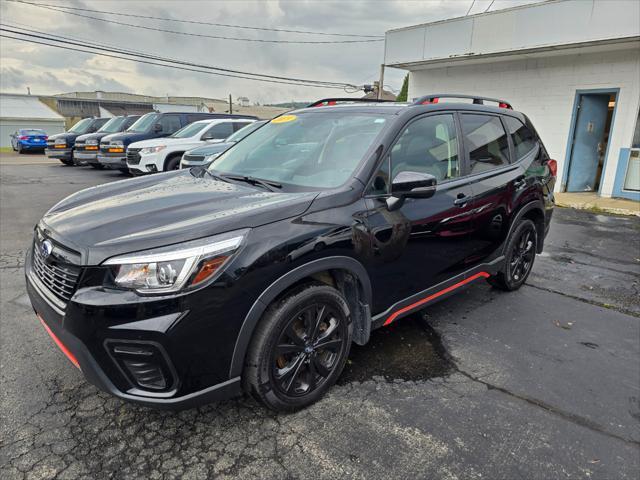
x=6, y=149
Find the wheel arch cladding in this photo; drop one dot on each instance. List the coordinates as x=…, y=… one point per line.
x=533, y=211
x=346, y=274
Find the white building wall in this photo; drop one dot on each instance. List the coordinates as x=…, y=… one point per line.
x=544, y=89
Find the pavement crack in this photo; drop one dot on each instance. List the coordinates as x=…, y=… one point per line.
x=586, y=300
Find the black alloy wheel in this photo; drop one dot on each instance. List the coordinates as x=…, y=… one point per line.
x=520, y=254
x=307, y=350
x=299, y=348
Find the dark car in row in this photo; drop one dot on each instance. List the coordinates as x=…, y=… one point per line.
x=87, y=146
x=258, y=273
x=62, y=145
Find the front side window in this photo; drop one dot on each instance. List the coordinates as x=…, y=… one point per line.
x=310, y=149
x=219, y=131
x=485, y=141
x=170, y=124
x=523, y=138
x=428, y=145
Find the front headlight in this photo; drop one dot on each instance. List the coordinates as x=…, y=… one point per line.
x=153, y=149
x=91, y=141
x=169, y=269
x=61, y=141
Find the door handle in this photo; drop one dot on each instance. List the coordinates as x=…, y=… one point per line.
x=461, y=200
x=519, y=182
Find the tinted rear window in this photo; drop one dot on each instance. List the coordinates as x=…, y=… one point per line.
x=486, y=141
x=523, y=138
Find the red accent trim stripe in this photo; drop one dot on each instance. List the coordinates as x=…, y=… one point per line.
x=395, y=315
x=61, y=346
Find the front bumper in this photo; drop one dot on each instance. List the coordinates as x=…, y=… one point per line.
x=59, y=153
x=83, y=333
x=84, y=157
x=114, y=162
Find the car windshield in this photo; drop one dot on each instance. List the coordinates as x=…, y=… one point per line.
x=113, y=125
x=244, y=131
x=309, y=149
x=144, y=123
x=82, y=126
x=32, y=132
x=189, y=131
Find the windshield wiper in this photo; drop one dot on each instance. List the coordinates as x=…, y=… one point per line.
x=268, y=184
x=214, y=176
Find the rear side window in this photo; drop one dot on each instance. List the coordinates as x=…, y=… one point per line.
x=486, y=141
x=170, y=124
x=219, y=131
x=238, y=125
x=523, y=138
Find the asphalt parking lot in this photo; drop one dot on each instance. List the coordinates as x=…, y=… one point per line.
x=536, y=384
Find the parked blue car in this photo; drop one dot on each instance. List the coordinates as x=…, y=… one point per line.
x=28, y=139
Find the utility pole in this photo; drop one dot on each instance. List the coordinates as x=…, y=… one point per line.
x=230, y=105
x=381, y=82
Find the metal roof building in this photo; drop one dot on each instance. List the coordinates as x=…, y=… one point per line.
x=26, y=111
x=572, y=66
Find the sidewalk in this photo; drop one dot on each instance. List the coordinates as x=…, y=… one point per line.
x=591, y=201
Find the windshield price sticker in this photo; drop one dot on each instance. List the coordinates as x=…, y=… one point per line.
x=284, y=119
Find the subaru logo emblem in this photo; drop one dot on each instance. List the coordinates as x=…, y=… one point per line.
x=46, y=248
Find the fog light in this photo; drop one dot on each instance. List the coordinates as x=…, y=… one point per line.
x=152, y=168
x=145, y=364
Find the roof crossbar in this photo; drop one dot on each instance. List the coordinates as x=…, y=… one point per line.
x=327, y=102
x=434, y=98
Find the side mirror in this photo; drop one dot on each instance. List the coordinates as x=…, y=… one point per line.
x=157, y=128
x=410, y=185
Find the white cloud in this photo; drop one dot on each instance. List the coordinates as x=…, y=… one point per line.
x=48, y=70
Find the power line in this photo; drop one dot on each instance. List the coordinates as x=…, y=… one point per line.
x=490, y=5
x=196, y=22
x=115, y=49
x=201, y=35
x=472, y=4
x=178, y=64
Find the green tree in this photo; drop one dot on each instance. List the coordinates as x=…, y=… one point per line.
x=404, y=91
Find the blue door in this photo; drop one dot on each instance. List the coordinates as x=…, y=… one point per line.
x=588, y=142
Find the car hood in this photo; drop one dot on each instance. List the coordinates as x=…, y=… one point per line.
x=211, y=148
x=70, y=137
x=154, y=142
x=129, y=137
x=87, y=136
x=162, y=209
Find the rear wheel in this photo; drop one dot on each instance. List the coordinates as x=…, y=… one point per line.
x=19, y=149
x=299, y=349
x=520, y=255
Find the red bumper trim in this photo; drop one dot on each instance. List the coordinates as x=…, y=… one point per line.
x=395, y=314
x=61, y=346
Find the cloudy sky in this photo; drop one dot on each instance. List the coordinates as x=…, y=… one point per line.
x=48, y=70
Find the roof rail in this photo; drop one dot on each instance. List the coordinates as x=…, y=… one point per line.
x=426, y=99
x=327, y=102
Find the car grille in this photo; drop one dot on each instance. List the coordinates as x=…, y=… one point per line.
x=79, y=146
x=60, y=278
x=133, y=156
x=51, y=143
x=193, y=158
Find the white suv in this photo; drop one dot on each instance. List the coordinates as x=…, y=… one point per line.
x=163, y=154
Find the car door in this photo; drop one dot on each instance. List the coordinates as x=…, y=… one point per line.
x=426, y=240
x=496, y=181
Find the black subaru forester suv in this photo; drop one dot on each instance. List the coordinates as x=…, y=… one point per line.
x=257, y=273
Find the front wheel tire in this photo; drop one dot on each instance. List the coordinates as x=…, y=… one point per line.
x=520, y=255
x=299, y=348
